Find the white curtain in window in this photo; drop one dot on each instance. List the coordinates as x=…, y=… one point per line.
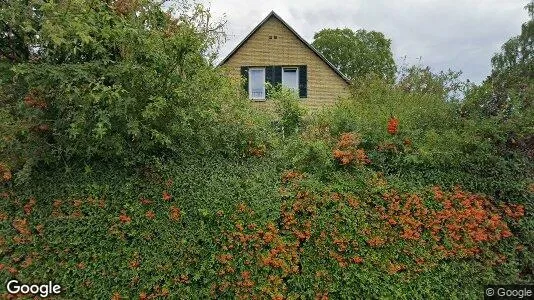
x=257, y=83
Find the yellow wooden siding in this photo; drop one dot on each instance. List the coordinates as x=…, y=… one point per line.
x=324, y=84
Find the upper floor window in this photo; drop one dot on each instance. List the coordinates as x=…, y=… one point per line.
x=290, y=78
x=256, y=83
x=256, y=78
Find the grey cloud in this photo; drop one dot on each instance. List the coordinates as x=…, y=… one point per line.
x=455, y=34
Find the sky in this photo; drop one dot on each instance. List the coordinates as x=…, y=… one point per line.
x=461, y=35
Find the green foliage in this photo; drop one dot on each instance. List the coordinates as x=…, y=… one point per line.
x=122, y=82
x=131, y=158
x=95, y=224
x=513, y=66
x=210, y=227
x=18, y=29
x=309, y=155
x=434, y=144
x=357, y=53
x=421, y=79
x=512, y=76
x=288, y=109
x=507, y=96
x=373, y=101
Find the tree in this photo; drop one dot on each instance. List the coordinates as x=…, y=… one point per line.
x=120, y=81
x=512, y=75
x=357, y=53
x=18, y=27
x=517, y=52
x=420, y=79
x=506, y=97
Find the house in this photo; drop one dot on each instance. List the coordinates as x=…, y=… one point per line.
x=275, y=53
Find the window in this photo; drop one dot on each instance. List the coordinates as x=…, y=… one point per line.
x=256, y=83
x=290, y=78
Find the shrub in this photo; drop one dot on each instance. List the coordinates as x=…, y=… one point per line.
x=329, y=235
x=90, y=93
x=347, y=151
x=422, y=137
x=288, y=108
x=372, y=103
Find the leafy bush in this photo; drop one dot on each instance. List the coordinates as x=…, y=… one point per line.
x=288, y=108
x=506, y=97
x=91, y=93
x=374, y=101
x=447, y=85
x=429, y=142
x=217, y=228
x=116, y=231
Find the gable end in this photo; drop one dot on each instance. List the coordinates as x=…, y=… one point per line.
x=308, y=45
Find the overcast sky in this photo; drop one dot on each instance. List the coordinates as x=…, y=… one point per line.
x=456, y=34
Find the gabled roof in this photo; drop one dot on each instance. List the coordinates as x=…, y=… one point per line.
x=273, y=14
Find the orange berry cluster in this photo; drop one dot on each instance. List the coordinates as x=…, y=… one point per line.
x=393, y=125
x=347, y=151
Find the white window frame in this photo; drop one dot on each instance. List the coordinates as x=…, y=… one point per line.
x=297, y=77
x=250, y=84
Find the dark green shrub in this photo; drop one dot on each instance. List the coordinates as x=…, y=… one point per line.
x=140, y=84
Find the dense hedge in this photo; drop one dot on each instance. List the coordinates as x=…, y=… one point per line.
x=213, y=227
x=109, y=231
